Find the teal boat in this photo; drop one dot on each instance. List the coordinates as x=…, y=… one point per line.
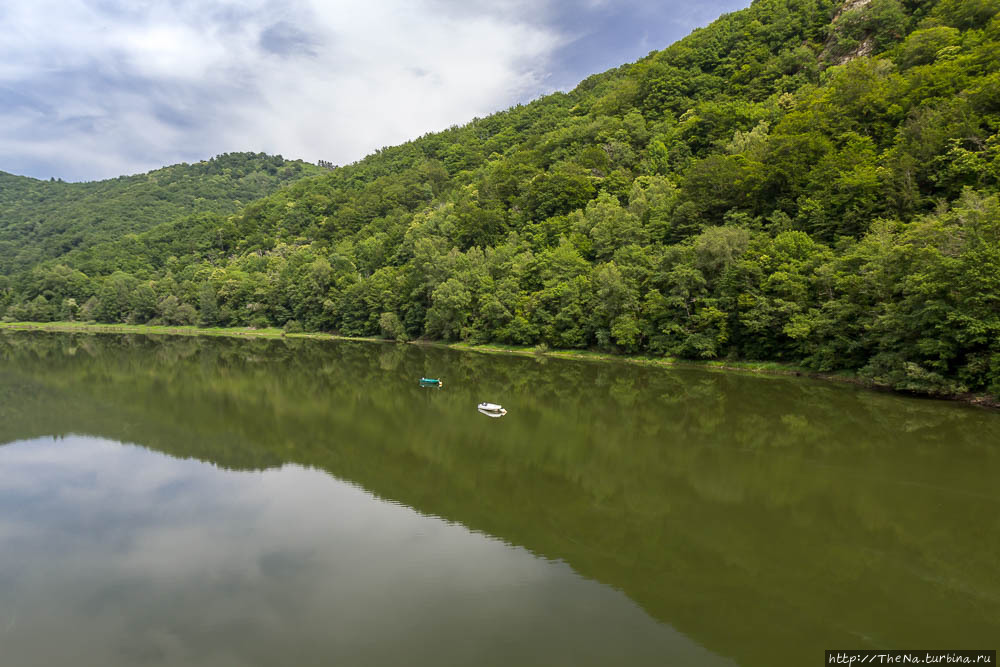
x=431, y=382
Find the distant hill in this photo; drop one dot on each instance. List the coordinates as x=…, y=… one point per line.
x=811, y=181
x=41, y=220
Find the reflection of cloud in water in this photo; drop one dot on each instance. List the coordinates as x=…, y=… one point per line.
x=115, y=554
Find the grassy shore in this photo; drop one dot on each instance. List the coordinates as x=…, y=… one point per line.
x=757, y=367
x=766, y=367
x=179, y=330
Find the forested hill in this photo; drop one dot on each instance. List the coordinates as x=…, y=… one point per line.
x=42, y=220
x=805, y=180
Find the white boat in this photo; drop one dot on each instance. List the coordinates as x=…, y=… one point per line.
x=491, y=410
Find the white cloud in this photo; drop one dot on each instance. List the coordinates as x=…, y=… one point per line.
x=96, y=88
x=384, y=74
x=107, y=87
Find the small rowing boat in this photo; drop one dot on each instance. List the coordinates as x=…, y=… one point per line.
x=431, y=382
x=491, y=409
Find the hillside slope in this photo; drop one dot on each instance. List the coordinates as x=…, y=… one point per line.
x=42, y=220
x=805, y=180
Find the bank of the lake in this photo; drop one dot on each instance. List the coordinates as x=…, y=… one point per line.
x=173, y=330
x=738, y=366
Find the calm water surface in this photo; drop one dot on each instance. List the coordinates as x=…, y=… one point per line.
x=184, y=501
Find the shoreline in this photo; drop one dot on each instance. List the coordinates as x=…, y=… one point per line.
x=753, y=367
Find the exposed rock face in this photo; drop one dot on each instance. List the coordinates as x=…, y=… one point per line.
x=863, y=49
x=849, y=6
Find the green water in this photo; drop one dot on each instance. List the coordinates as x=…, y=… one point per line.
x=184, y=501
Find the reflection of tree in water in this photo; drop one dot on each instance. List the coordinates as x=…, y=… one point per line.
x=742, y=510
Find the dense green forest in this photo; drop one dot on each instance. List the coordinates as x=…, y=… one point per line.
x=812, y=181
x=44, y=220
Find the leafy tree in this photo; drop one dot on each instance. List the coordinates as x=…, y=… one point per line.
x=392, y=327
x=965, y=14
x=115, y=298
x=143, y=304
x=923, y=46
x=208, y=306
x=449, y=309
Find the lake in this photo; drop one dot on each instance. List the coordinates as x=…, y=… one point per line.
x=219, y=501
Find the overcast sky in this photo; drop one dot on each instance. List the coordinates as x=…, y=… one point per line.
x=91, y=89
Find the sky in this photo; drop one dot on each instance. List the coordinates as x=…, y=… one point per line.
x=92, y=89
